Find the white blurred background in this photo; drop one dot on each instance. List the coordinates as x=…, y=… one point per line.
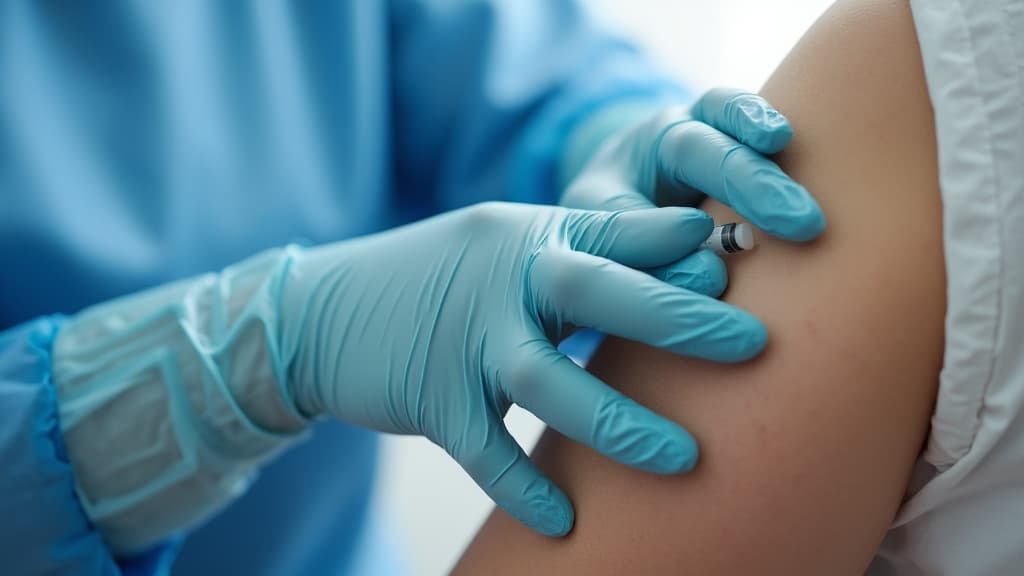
x=427, y=502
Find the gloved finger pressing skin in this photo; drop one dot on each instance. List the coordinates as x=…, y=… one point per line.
x=747, y=117
x=639, y=238
x=582, y=407
x=702, y=272
x=588, y=291
x=693, y=154
x=513, y=482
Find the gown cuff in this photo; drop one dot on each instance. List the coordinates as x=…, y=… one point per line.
x=45, y=528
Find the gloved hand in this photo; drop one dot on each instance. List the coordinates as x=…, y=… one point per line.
x=674, y=156
x=437, y=327
x=170, y=398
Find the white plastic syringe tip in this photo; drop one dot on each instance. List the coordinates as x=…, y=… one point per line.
x=744, y=235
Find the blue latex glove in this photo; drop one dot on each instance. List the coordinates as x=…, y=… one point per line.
x=434, y=328
x=675, y=156
x=438, y=327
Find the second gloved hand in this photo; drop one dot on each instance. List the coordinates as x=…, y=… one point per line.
x=436, y=328
x=675, y=156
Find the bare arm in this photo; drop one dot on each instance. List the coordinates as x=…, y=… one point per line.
x=807, y=450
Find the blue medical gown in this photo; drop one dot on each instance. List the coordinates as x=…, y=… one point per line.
x=145, y=142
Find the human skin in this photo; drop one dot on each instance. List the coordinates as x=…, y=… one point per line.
x=806, y=451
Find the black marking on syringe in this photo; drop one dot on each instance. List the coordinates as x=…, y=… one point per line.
x=729, y=238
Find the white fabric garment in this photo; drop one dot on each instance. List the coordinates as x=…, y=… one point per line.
x=964, y=512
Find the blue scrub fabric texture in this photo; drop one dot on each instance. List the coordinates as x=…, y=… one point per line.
x=146, y=142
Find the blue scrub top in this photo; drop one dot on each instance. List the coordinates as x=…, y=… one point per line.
x=145, y=142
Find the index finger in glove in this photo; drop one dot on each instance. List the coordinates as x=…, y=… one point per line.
x=638, y=238
x=588, y=291
x=696, y=155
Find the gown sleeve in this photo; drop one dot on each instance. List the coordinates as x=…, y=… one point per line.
x=44, y=529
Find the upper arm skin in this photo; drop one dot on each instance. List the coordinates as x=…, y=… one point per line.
x=805, y=451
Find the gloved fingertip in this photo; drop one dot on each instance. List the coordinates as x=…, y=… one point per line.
x=537, y=502
x=773, y=138
x=809, y=227
x=781, y=207
x=679, y=454
x=702, y=272
x=770, y=131
x=751, y=336
x=560, y=524
x=696, y=217
x=737, y=336
x=656, y=237
x=694, y=224
x=799, y=218
x=552, y=515
x=637, y=437
x=689, y=463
